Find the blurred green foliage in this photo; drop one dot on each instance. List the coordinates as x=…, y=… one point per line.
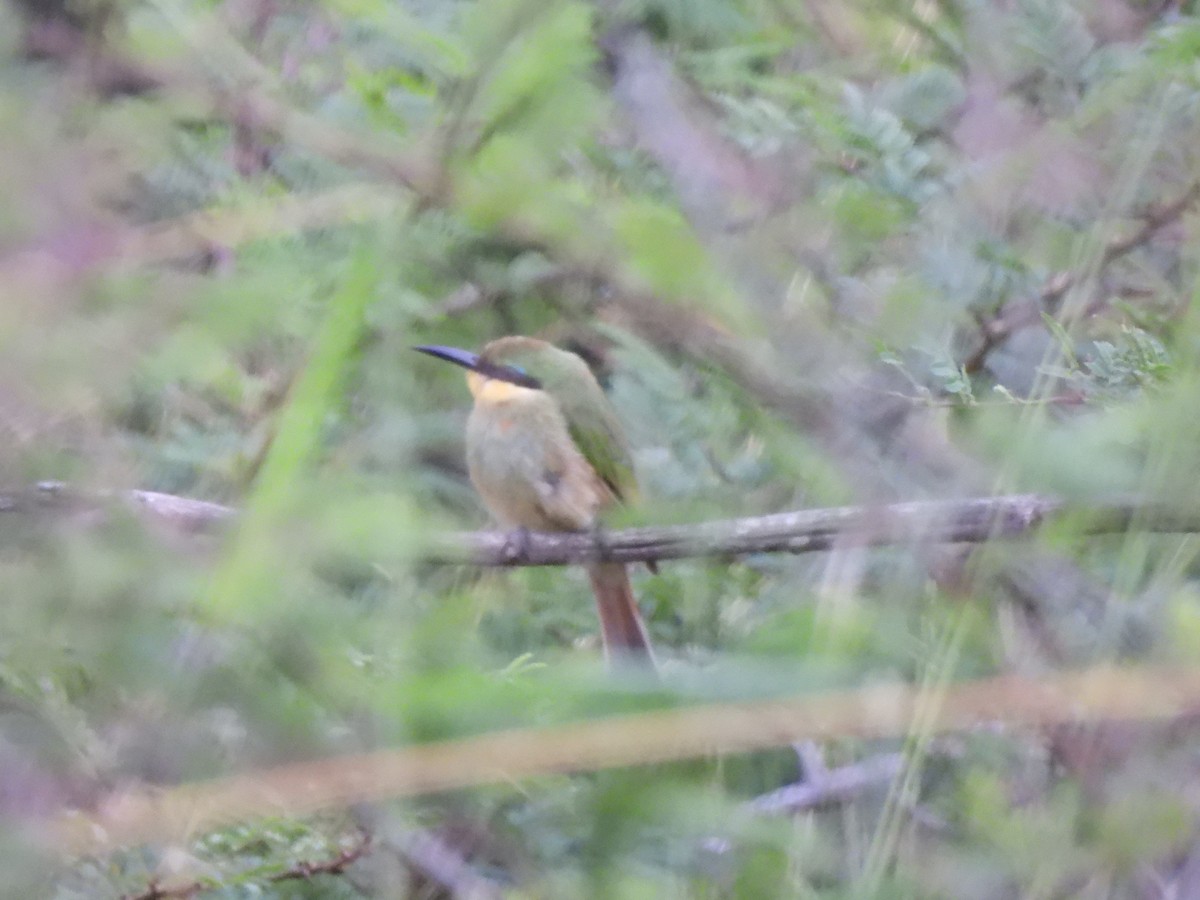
x=964, y=227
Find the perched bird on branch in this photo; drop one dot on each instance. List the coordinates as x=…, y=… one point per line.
x=546, y=452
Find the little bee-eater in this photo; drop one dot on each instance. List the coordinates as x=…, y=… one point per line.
x=546, y=452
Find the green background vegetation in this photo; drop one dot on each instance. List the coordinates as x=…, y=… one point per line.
x=820, y=253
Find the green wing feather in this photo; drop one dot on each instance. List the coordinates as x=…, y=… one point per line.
x=598, y=434
x=591, y=419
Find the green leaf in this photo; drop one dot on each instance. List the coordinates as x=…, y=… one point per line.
x=549, y=47
x=663, y=249
x=241, y=587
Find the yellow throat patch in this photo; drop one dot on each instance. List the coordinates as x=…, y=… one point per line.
x=494, y=391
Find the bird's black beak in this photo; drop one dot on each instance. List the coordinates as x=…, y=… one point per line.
x=477, y=363
x=464, y=358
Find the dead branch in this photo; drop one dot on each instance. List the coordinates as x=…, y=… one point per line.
x=55, y=499
x=833, y=786
x=811, y=530
x=969, y=521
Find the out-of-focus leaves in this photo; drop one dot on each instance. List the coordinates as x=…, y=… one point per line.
x=662, y=250
x=242, y=584
x=924, y=99
x=972, y=230
x=537, y=80
x=1053, y=36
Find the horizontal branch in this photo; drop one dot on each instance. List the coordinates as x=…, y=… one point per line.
x=878, y=711
x=809, y=530
x=969, y=521
x=835, y=786
x=54, y=498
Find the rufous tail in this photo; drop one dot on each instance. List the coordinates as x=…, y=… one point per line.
x=621, y=627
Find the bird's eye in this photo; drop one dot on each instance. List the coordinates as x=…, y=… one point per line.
x=511, y=372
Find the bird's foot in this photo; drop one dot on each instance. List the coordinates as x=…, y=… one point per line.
x=516, y=545
x=599, y=542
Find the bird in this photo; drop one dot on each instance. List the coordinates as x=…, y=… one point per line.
x=546, y=452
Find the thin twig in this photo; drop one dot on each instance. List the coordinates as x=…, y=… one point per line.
x=300, y=871
x=1153, y=220
x=305, y=870
x=156, y=890
x=834, y=786
x=996, y=329
x=441, y=863
x=812, y=761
